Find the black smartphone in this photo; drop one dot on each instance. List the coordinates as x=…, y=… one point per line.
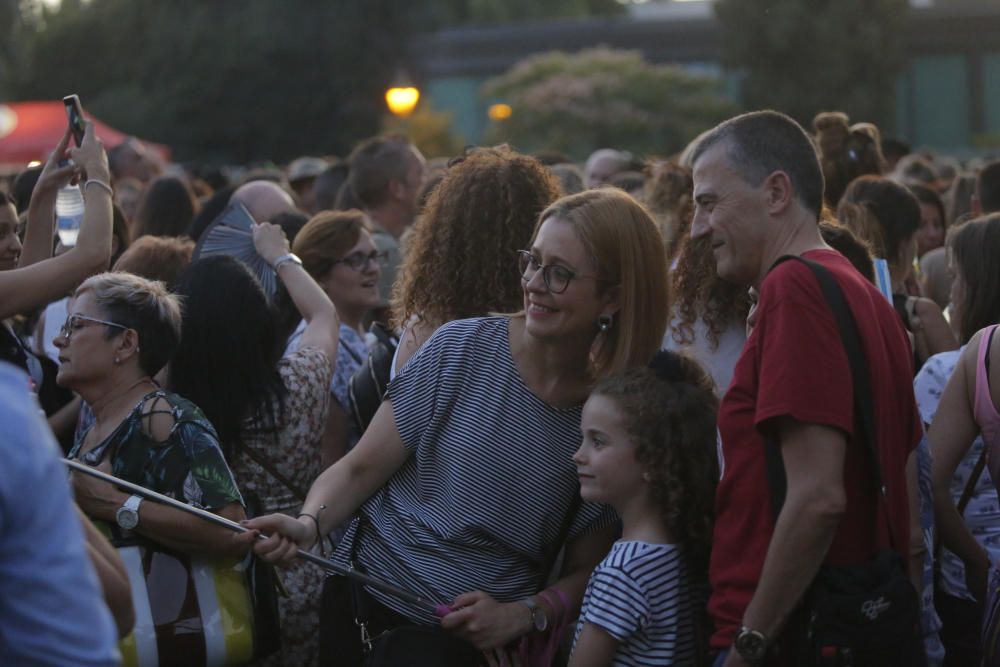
x=75, y=114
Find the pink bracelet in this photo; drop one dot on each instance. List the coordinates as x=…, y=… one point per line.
x=557, y=600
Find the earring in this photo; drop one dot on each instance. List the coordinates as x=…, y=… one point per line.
x=604, y=323
x=646, y=477
x=117, y=360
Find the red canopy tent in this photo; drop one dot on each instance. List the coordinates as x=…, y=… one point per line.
x=30, y=130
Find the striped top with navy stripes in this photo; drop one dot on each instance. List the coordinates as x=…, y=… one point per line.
x=640, y=595
x=485, y=493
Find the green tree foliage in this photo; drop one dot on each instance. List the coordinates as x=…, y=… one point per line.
x=430, y=131
x=243, y=81
x=596, y=98
x=15, y=26
x=806, y=56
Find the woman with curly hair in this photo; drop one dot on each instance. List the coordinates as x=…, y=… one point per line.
x=709, y=314
x=460, y=259
x=669, y=196
x=649, y=451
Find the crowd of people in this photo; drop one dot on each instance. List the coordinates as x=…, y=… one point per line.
x=634, y=412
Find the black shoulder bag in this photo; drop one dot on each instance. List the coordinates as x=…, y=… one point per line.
x=866, y=614
x=368, y=384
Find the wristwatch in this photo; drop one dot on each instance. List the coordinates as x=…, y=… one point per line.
x=127, y=515
x=751, y=645
x=285, y=259
x=539, y=621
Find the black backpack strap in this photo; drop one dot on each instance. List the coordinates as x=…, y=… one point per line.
x=863, y=405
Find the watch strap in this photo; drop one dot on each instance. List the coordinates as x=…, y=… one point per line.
x=133, y=503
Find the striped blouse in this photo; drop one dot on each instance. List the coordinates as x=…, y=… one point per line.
x=484, y=496
x=639, y=594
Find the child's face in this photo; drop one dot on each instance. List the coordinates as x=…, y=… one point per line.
x=606, y=461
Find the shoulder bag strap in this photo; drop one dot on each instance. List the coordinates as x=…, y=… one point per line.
x=863, y=404
x=299, y=494
x=977, y=471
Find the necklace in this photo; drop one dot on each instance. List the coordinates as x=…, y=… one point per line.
x=101, y=410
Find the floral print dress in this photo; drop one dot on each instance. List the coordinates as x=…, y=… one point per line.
x=276, y=467
x=188, y=465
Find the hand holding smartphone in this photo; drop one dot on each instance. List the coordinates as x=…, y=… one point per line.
x=75, y=114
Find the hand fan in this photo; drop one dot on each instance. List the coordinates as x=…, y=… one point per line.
x=232, y=234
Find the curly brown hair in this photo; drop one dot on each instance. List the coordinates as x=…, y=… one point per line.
x=700, y=292
x=670, y=410
x=669, y=197
x=461, y=256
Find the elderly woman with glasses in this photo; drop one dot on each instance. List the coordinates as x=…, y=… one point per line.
x=121, y=331
x=463, y=483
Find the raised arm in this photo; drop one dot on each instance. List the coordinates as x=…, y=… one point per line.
x=39, y=233
x=322, y=323
x=45, y=281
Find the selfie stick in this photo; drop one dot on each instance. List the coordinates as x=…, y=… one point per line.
x=439, y=610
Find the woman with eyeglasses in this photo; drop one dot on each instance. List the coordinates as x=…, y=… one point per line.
x=463, y=483
x=336, y=249
x=269, y=410
x=121, y=331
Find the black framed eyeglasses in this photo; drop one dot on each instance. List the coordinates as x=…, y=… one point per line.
x=556, y=278
x=359, y=261
x=77, y=322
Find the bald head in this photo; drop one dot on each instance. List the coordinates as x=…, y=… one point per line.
x=263, y=199
x=602, y=165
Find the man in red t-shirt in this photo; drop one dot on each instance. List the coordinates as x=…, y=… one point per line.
x=758, y=191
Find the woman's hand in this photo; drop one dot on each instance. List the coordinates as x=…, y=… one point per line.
x=90, y=156
x=55, y=175
x=486, y=623
x=285, y=536
x=270, y=241
x=97, y=498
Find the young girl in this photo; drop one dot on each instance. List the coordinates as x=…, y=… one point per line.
x=649, y=451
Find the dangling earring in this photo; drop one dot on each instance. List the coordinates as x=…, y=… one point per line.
x=604, y=323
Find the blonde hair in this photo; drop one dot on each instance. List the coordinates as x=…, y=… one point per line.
x=143, y=305
x=626, y=247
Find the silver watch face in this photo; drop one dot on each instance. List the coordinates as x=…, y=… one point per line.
x=751, y=646
x=127, y=518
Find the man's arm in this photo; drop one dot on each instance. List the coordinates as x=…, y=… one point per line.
x=814, y=503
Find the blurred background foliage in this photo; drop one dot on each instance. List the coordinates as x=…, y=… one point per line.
x=604, y=98
x=803, y=56
x=239, y=81
x=258, y=80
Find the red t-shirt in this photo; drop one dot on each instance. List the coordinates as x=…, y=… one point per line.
x=794, y=364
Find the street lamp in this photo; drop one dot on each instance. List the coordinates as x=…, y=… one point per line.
x=402, y=100
x=499, y=112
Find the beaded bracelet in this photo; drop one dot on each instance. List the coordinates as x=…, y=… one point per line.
x=319, y=535
x=104, y=185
